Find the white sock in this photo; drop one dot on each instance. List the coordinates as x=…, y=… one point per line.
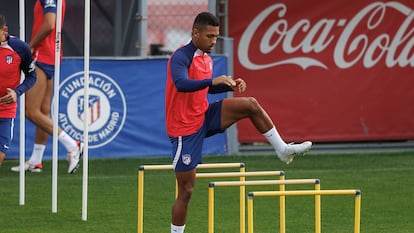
x=37, y=154
x=68, y=142
x=274, y=138
x=177, y=229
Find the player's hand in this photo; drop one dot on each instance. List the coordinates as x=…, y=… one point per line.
x=240, y=85
x=224, y=79
x=9, y=98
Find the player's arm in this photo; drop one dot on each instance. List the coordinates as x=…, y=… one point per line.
x=45, y=29
x=240, y=85
x=28, y=67
x=179, y=71
x=225, y=83
x=221, y=84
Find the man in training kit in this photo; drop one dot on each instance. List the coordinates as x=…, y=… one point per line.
x=38, y=99
x=15, y=57
x=190, y=118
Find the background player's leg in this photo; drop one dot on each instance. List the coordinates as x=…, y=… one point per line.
x=34, y=101
x=2, y=156
x=35, y=98
x=41, y=136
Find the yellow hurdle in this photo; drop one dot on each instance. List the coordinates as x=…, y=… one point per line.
x=281, y=184
x=242, y=175
x=356, y=192
x=140, y=201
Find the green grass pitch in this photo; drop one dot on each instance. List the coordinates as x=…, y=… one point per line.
x=386, y=181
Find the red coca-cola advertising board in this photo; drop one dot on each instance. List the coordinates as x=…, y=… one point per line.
x=327, y=70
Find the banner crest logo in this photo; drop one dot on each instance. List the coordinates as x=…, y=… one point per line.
x=107, y=108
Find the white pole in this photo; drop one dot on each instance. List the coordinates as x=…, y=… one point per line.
x=22, y=114
x=56, y=106
x=86, y=111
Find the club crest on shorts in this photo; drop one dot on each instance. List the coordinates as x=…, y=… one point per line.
x=186, y=159
x=105, y=112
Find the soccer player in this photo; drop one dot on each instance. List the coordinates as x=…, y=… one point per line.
x=38, y=99
x=190, y=118
x=15, y=57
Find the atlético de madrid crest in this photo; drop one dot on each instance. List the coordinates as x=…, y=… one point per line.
x=105, y=112
x=186, y=159
x=9, y=59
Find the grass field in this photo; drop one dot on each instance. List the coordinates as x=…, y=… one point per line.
x=385, y=179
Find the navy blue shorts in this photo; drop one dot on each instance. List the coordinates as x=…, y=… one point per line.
x=187, y=150
x=48, y=69
x=6, y=133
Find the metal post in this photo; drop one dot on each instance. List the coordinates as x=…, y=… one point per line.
x=231, y=132
x=142, y=18
x=118, y=29
x=22, y=101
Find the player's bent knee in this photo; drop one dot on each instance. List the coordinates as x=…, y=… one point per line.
x=33, y=116
x=253, y=105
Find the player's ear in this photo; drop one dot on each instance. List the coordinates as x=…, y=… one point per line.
x=195, y=32
x=5, y=30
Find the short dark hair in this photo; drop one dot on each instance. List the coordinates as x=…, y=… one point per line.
x=2, y=20
x=205, y=19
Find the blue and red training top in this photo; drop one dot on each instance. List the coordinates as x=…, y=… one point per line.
x=15, y=56
x=189, y=79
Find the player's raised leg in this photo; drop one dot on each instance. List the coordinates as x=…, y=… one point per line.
x=235, y=109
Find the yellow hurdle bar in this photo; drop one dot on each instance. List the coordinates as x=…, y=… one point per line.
x=242, y=176
x=281, y=183
x=356, y=192
x=242, y=188
x=140, y=213
x=200, y=166
x=238, y=174
x=263, y=182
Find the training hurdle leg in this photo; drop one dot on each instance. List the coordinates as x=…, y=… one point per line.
x=242, y=190
x=140, y=201
x=282, y=211
x=356, y=192
x=281, y=183
x=317, y=209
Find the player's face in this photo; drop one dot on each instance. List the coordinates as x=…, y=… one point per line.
x=206, y=38
x=3, y=33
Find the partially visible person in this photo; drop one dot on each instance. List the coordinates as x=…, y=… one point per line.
x=15, y=57
x=190, y=118
x=38, y=99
